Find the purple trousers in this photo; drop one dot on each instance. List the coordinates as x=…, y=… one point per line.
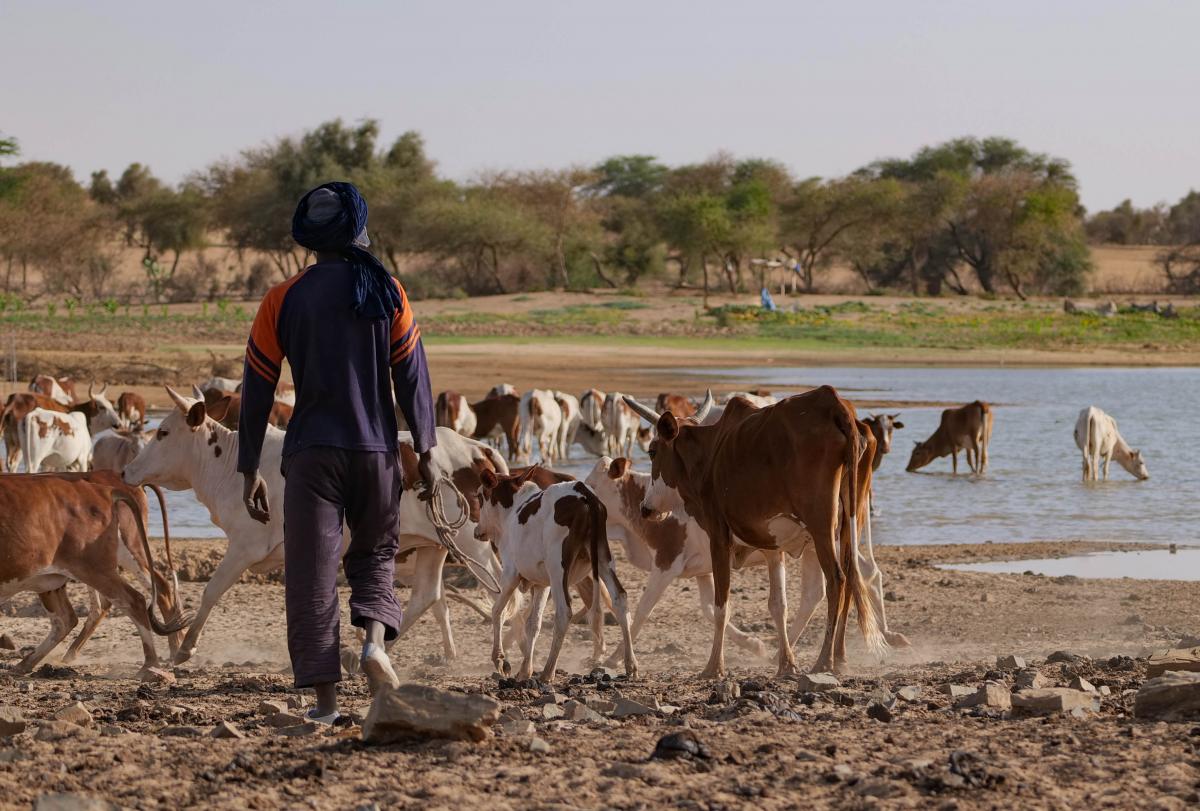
x=323, y=486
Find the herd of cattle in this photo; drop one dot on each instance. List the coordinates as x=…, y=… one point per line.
x=751, y=481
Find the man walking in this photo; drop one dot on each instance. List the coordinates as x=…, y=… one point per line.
x=345, y=326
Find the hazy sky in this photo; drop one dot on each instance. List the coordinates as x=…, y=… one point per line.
x=824, y=87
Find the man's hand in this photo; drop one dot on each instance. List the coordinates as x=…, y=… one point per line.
x=254, y=496
x=428, y=476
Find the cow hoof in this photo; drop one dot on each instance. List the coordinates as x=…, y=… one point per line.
x=713, y=673
x=896, y=639
x=183, y=655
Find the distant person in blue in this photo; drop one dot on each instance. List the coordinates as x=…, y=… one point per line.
x=768, y=303
x=346, y=329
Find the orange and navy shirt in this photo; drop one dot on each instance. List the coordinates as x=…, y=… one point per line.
x=341, y=366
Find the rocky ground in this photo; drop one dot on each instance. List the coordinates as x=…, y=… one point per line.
x=932, y=726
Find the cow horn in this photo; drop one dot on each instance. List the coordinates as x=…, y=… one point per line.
x=91, y=386
x=103, y=389
x=182, y=404
x=706, y=406
x=645, y=412
x=199, y=395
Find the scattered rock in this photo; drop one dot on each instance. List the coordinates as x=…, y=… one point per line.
x=273, y=706
x=892, y=597
x=683, y=744
x=990, y=694
x=1180, y=660
x=600, y=705
x=417, y=710
x=880, y=712
x=518, y=729
x=301, y=730
x=818, y=682
x=1080, y=683
x=1030, y=679
x=909, y=694
x=72, y=802
x=539, y=746
x=12, y=721
x=1010, y=662
x=1051, y=701
x=551, y=698
x=580, y=713
x=602, y=674
x=227, y=729
x=552, y=712
x=1105, y=690
x=7, y=643
x=840, y=773
x=285, y=719
x=75, y=713
x=986, y=598
x=956, y=690
x=626, y=707
x=1170, y=697
x=1066, y=657
x=113, y=731
x=725, y=692
x=177, y=731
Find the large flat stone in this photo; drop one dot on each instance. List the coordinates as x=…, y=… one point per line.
x=1052, y=700
x=818, y=682
x=12, y=721
x=1179, y=660
x=1170, y=697
x=418, y=711
x=990, y=694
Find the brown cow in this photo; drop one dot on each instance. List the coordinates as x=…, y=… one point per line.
x=132, y=408
x=61, y=390
x=677, y=404
x=61, y=527
x=15, y=409
x=966, y=428
x=497, y=417
x=776, y=478
x=227, y=408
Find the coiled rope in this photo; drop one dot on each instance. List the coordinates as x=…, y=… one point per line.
x=447, y=530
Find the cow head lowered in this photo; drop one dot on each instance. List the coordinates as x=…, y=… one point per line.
x=674, y=458
x=496, y=497
x=170, y=459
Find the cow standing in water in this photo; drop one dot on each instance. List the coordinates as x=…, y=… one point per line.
x=1100, y=442
x=966, y=428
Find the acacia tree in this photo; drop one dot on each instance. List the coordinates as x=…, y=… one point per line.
x=817, y=217
x=624, y=195
x=699, y=226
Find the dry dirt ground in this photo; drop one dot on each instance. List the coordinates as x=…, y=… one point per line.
x=775, y=747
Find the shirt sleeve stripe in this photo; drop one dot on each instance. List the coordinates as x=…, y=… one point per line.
x=260, y=370
x=266, y=362
x=407, y=348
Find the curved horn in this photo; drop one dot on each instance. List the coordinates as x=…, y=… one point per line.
x=103, y=390
x=645, y=412
x=706, y=406
x=199, y=395
x=181, y=403
x=91, y=386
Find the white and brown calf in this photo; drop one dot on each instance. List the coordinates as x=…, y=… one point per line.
x=51, y=440
x=548, y=540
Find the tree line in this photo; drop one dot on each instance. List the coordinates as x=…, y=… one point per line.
x=969, y=214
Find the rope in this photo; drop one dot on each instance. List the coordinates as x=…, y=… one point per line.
x=447, y=530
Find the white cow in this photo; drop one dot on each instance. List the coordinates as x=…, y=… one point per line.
x=114, y=450
x=591, y=409
x=501, y=389
x=757, y=400
x=549, y=540
x=1100, y=442
x=541, y=418
x=193, y=451
x=620, y=425
x=52, y=440
x=570, y=422
x=226, y=384
x=100, y=413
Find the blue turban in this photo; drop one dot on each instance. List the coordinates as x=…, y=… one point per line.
x=332, y=218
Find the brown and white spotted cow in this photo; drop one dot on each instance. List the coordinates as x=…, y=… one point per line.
x=15, y=409
x=51, y=440
x=131, y=407
x=773, y=479
x=966, y=428
x=61, y=528
x=61, y=390
x=549, y=540
x=882, y=427
x=451, y=410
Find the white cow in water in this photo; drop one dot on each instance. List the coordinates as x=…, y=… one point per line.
x=541, y=419
x=1100, y=442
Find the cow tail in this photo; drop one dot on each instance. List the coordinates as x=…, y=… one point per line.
x=868, y=621
x=985, y=427
x=162, y=508
x=161, y=628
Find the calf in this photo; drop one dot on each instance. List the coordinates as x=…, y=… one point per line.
x=966, y=428
x=131, y=407
x=881, y=427
x=1100, y=442
x=454, y=412
x=60, y=390
x=548, y=540
x=54, y=441
x=192, y=451
x=15, y=409
x=620, y=425
x=541, y=419
x=113, y=451
x=499, y=418
x=58, y=529
x=569, y=426
x=772, y=479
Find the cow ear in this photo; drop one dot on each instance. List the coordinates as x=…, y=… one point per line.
x=897, y=424
x=668, y=426
x=618, y=467
x=488, y=479
x=196, y=415
x=527, y=474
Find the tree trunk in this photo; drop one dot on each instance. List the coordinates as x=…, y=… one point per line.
x=600, y=270
x=1014, y=282
x=728, y=275
x=174, y=265
x=24, y=276
x=704, y=267
x=496, y=269
x=561, y=259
